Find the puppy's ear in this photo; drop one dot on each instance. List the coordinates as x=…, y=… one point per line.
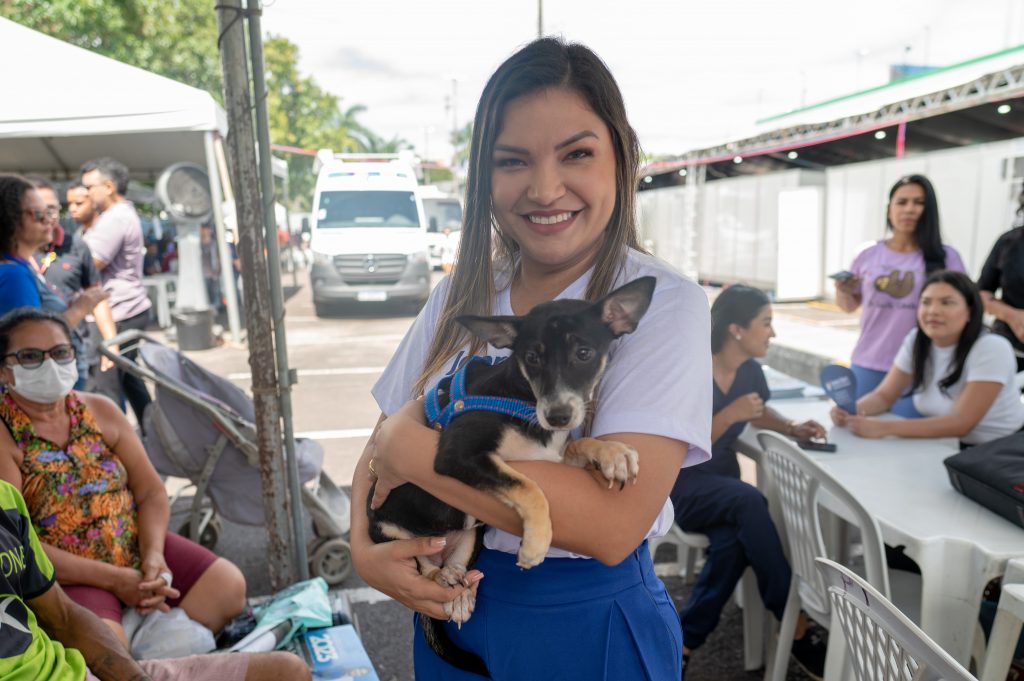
x=500, y=332
x=622, y=309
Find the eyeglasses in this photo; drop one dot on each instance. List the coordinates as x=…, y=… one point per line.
x=32, y=358
x=39, y=214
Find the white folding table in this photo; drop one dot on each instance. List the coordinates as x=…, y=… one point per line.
x=959, y=544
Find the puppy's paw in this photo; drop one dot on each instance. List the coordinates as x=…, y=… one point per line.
x=460, y=609
x=618, y=462
x=534, y=547
x=450, y=575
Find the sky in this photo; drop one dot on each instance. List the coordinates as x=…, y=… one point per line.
x=693, y=72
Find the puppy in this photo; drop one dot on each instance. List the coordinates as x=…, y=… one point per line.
x=519, y=409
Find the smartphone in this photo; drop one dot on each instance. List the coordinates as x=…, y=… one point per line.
x=842, y=275
x=817, y=446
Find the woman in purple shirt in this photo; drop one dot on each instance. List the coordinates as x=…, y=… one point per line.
x=888, y=275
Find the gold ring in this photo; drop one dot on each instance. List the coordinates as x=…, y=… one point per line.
x=373, y=471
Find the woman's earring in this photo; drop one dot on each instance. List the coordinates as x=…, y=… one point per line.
x=737, y=338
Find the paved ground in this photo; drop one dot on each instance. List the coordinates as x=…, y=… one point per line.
x=338, y=361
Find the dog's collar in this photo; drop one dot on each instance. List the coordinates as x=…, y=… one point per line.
x=459, y=402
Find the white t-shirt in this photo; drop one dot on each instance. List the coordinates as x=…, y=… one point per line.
x=656, y=381
x=991, y=359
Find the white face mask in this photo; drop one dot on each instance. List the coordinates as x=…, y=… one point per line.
x=46, y=383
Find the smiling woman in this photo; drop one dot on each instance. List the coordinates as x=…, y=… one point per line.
x=961, y=376
x=888, y=276
x=549, y=215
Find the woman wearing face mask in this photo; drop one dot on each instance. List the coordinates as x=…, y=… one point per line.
x=961, y=377
x=96, y=501
x=888, y=277
x=26, y=225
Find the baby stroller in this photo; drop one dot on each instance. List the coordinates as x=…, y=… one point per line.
x=200, y=426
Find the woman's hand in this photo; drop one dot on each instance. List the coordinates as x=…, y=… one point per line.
x=88, y=298
x=1016, y=323
x=850, y=287
x=125, y=586
x=747, y=407
x=391, y=568
x=809, y=430
x=867, y=426
x=385, y=466
x=153, y=586
x=840, y=416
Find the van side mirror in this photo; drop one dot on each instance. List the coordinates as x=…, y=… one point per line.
x=305, y=224
x=432, y=225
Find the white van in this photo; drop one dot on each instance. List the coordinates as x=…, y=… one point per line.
x=444, y=222
x=368, y=235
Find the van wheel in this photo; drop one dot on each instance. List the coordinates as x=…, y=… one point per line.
x=322, y=309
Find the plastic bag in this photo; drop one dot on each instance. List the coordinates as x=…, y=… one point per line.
x=304, y=603
x=161, y=635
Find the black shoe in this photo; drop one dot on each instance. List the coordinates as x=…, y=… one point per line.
x=809, y=651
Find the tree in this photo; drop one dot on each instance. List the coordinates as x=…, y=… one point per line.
x=174, y=39
x=178, y=39
x=462, y=140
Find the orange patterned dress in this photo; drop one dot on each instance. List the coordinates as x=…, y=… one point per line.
x=77, y=495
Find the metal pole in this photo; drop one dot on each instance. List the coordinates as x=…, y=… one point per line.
x=227, y=274
x=540, y=19
x=284, y=374
x=241, y=153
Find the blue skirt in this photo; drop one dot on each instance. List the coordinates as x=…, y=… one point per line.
x=567, y=618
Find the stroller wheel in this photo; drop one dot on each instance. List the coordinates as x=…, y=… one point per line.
x=208, y=534
x=332, y=560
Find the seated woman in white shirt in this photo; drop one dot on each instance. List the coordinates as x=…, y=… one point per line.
x=961, y=377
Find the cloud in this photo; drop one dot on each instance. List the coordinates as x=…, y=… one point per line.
x=355, y=62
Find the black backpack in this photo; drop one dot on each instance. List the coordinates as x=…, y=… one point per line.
x=992, y=474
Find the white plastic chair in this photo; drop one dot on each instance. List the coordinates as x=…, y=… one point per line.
x=687, y=546
x=1008, y=623
x=797, y=481
x=883, y=644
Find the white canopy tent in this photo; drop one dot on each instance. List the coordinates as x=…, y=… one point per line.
x=73, y=105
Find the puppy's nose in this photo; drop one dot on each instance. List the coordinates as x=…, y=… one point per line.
x=558, y=417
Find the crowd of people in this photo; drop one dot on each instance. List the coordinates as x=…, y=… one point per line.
x=93, y=538
x=550, y=213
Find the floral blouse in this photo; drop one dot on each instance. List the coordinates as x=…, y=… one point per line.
x=77, y=495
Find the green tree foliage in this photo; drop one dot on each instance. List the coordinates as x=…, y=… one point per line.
x=178, y=39
x=175, y=38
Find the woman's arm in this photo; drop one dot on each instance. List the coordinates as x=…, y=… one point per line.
x=391, y=567
x=848, y=295
x=744, y=408
x=108, y=329
x=972, y=405
x=587, y=517
x=1011, y=316
x=151, y=503
x=773, y=420
x=83, y=304
x=72, y=569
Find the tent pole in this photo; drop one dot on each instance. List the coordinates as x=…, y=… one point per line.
x=227, y=270
x=241, y=155
x=285, y=376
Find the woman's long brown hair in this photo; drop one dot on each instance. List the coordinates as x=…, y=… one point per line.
x=543, y=64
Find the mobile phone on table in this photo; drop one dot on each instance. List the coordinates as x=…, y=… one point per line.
x=842, y=275
x=815, y=446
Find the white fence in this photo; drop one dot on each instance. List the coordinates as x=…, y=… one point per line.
x=786, y=231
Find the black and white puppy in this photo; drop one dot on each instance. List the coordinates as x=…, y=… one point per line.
x=559, y=353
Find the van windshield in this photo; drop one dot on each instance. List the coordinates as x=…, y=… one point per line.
x=367, y=209
x=447, y=212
